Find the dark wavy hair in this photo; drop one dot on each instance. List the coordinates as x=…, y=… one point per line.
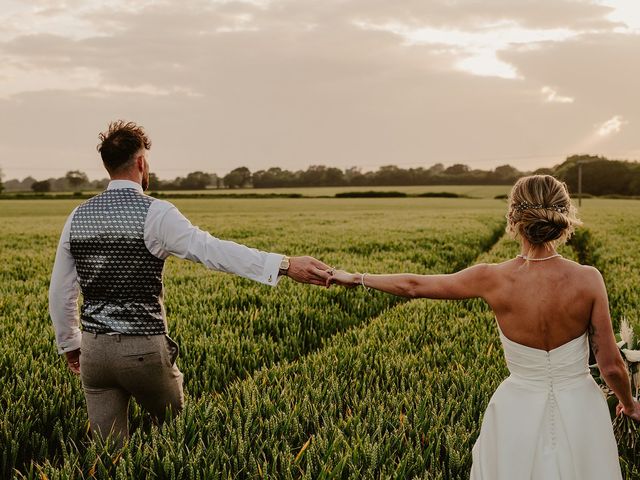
x=119, y=144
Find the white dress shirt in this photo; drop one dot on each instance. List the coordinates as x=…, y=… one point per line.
x=166, y=232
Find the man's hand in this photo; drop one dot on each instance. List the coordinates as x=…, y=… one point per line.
x=308, y=270
x=73, y=361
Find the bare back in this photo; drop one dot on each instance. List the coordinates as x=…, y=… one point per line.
x=542, y=304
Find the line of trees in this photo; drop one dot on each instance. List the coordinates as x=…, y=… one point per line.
x=321, y=176
x=601, y=176
x=73, y=180
x=76, y=180
x=193, y=181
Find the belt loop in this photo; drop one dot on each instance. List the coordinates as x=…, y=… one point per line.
x=118, y=337
x=95, y=334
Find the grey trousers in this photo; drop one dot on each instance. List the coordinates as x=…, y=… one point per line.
x=113, y=368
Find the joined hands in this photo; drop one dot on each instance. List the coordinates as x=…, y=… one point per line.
x=308, y=270
x=344, y=279
x=311, y=270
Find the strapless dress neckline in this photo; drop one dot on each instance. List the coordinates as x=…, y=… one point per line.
x=559, y=347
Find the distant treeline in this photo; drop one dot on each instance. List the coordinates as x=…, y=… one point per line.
x=76, y=180
x=390, y=175
x=600, y=176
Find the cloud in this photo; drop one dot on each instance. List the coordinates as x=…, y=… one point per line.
x=624, y=12
x=220, y=84
x=611, y=126
x=551, y=96
x=477, y=50
x=171, y=36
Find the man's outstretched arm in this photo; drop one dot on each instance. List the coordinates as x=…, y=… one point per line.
x=168, y=232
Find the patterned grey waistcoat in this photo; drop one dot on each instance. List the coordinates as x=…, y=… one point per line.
x=120, y=280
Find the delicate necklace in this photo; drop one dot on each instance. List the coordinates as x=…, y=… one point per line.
x=531, y=259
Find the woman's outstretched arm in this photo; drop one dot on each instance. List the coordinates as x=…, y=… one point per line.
x=468, y=283
x=603, y=344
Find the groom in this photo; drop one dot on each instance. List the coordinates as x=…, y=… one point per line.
x=112, y=250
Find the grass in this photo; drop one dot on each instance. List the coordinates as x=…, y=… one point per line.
x=292, y=382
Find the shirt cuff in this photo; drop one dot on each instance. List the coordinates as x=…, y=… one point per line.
x=70, y=344
x=271, y=273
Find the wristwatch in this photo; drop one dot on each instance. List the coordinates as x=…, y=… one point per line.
x=284, y=265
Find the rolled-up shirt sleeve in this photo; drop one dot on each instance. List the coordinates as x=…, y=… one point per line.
x=168, y=232
x=63, y=295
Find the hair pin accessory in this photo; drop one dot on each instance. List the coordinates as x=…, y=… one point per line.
x=558, y=207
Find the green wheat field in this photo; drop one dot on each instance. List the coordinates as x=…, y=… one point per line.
x=293, y=382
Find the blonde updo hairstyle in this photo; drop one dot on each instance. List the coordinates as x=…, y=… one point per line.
x=540, y=211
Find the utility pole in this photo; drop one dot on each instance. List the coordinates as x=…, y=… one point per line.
x=579, y=184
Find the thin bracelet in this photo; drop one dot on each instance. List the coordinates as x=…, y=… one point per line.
x=362, y=281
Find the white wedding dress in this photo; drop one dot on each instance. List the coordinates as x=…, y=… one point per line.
x=548, y=420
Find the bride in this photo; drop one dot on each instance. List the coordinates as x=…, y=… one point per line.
x=548, y=419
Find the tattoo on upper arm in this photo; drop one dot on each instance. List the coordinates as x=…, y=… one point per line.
x=591, y=331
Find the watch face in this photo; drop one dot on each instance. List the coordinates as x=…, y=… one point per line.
x=284, y=264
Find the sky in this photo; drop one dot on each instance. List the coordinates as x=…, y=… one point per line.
x=220, y=84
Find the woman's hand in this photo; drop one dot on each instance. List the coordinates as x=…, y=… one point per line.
x=345, y=279
x=630, y=412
